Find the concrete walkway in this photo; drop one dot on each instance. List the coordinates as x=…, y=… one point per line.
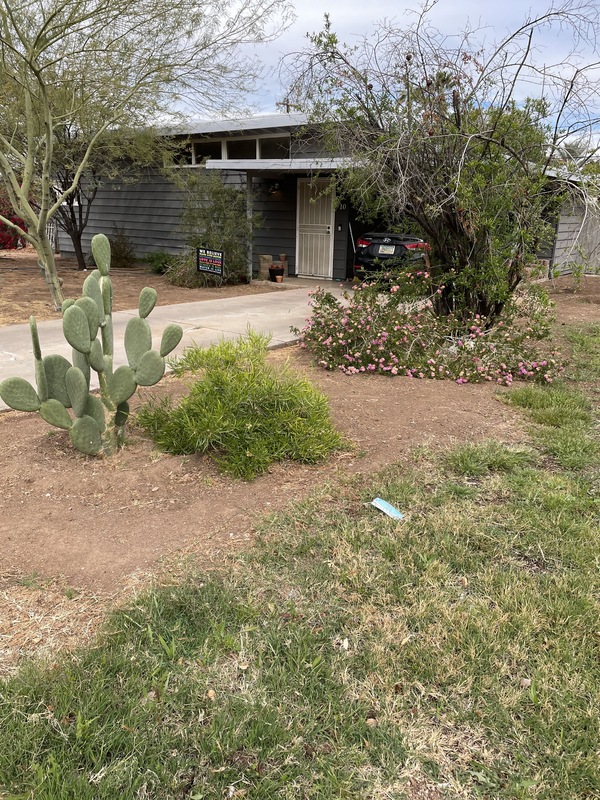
x=203, y=323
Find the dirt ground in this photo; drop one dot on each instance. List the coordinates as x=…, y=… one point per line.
x=23, y=291
x=78, y=533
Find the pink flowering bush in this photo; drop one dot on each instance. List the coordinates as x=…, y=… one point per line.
x=376, y=331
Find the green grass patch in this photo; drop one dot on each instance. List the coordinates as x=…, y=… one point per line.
x=349, y=655
x=585, y=359
x=565, y=422
x=243, y=411
x=478, y=459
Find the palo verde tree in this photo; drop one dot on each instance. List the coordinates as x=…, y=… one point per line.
x=109, y=63
x=459, y=140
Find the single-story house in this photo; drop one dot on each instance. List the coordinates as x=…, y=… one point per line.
x=276, y=158
x=287, y=182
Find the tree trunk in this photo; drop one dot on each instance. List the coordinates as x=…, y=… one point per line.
x=47, y=265
x=78, y=248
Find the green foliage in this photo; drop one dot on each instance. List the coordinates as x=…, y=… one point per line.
x=122, y=249
x=214, y=216
x=380, y=332
x=99, y=422
x=566, y=420
x=243, y=411
x=160, y=261
x=475, y=460
x=439, y=137
x=585, y=362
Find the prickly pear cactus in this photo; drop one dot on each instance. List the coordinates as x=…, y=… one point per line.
x=96, y=423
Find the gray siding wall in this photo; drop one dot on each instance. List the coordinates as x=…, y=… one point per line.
x=577, y=240
x=277, y=233
x=149, y=212
x=341, y=244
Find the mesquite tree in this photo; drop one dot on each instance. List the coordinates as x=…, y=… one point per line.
x=112, y=62
x=120, y=156
x=459, y=141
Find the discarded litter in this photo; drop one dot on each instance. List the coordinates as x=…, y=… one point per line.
x=388, y=509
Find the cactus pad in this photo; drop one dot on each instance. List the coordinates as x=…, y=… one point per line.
x=150, y=369
x=101, y=253
x=81, y=362
x=107, y=295
x=86, y=436
x=95, y=410
x=91, y=289
x=96, y=356
x=148, y=298
x=122, y=384
x=35, y=339
x=171, y=337
x=90, y=309
x=76, y=329
x=138, y=340
x=56, y=369
x=41, y=380
x=56, y=414
x=19, y=394
x=77, y=387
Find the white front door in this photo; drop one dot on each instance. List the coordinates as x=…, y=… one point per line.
x=314, y=230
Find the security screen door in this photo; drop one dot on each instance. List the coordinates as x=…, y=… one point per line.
x=314, y=245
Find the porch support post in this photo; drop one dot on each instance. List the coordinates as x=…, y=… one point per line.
x=249, y=214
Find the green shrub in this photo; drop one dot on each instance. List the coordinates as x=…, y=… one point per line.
x=182, y=271
x=245, y=412
x=121, y=248
x=214, y=215
x=159, y=261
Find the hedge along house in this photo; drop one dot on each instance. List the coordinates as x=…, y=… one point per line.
x=288, y=182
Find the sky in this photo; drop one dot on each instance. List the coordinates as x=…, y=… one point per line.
x=351, y=18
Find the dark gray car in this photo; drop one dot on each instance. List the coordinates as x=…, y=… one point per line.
x=379, y=251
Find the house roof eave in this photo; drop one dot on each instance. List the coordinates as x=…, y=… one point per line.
x=267, y=165
x=262, y=124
